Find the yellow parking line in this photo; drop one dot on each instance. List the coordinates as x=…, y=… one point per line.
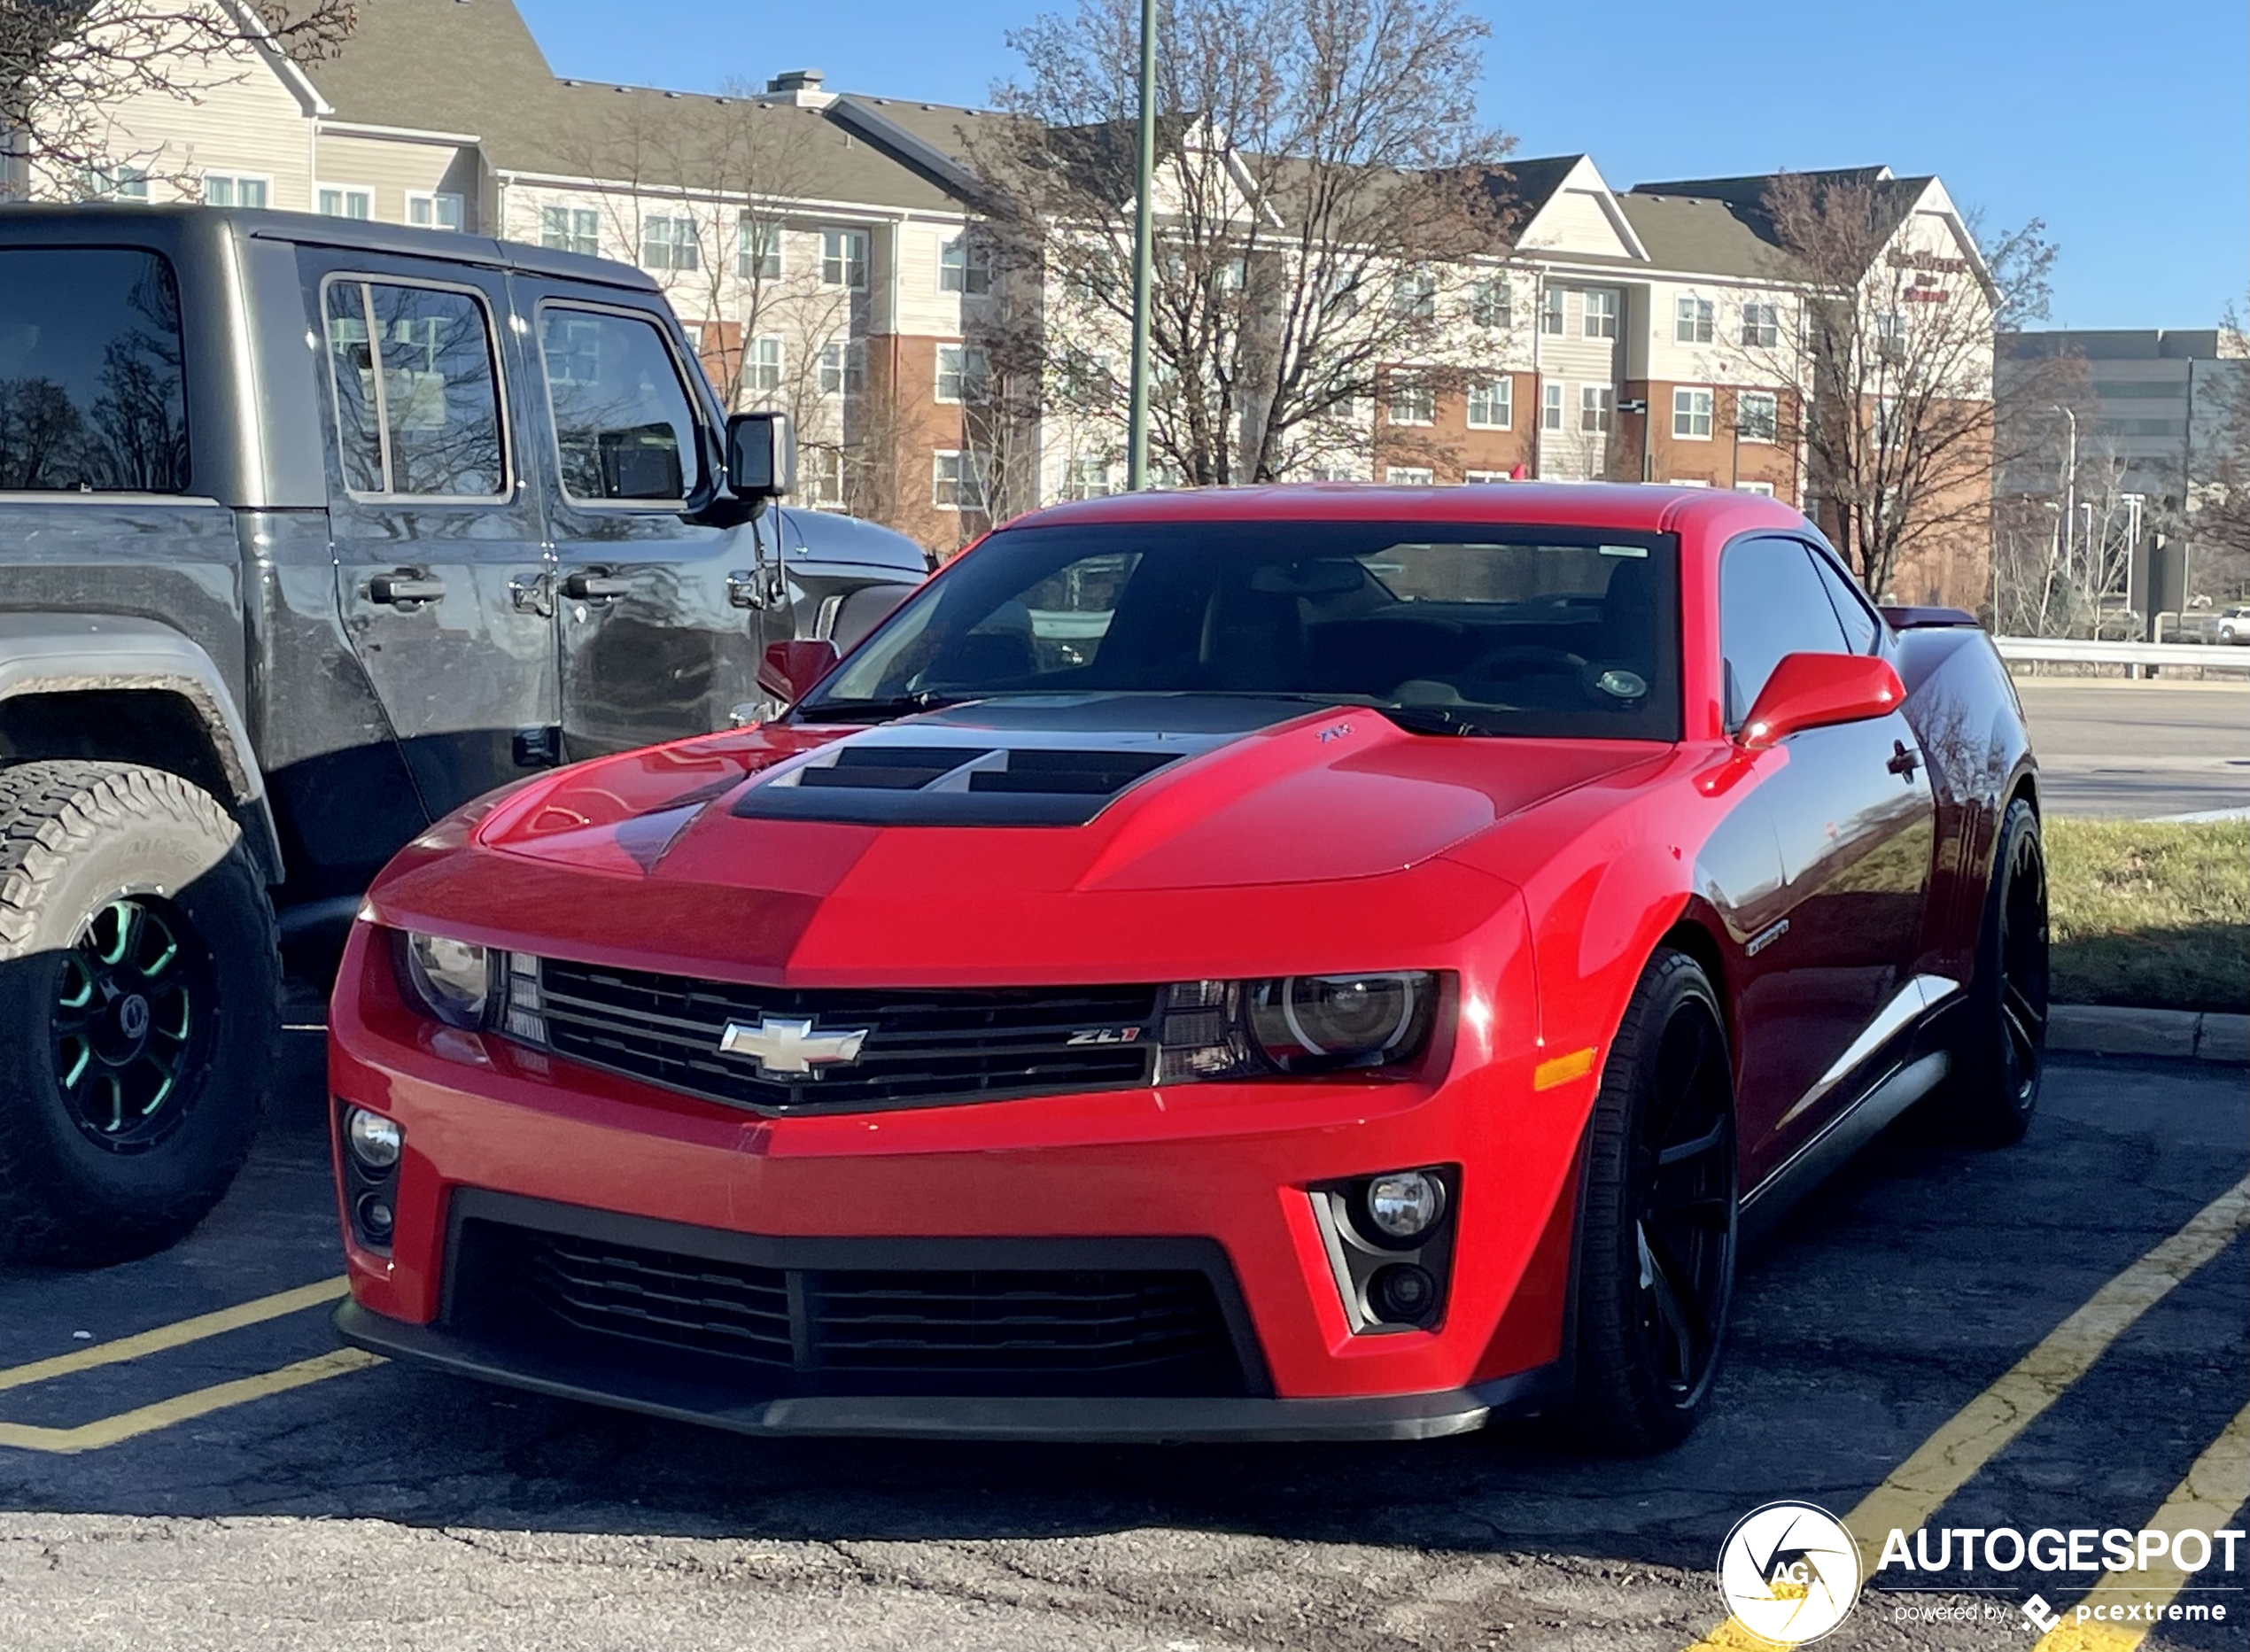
x=183, y=1408
x=2204, y=1501
x=1973, y=1436
x=174, y=1335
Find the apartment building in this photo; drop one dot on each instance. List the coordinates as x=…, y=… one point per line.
x=820, y=246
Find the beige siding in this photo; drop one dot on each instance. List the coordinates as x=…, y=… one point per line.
x=392, y=168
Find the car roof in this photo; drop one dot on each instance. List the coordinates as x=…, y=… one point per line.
x=1627, y=507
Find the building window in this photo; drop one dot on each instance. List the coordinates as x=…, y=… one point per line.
x=1761, y=324
x=114, y=183
x=668, y=242
x=843, y=370
x=341, y=203
x=1601, y=314
x=1413, y=404
x=823, y=477
x=1764, y=490
x=1757, y=416
x=963, y=374
x=844, y=258
x=1491, y=305
x=1492, y=406
x=1692, y=321
x=1337, y=473
x=437, y=211
x=758, y=249
x=1689, y=481
x=1087, y=478
x=1691, y=415
x=571, y=230
x=963, y=267
x=1550, y=312
x=956, y=481
x=1409, y=476
x=1595, y=404
x=761, y=363
x=1890, y=334
x=220, y=189
x=1550, y=408
x=1414, y=296
x=1477, y=476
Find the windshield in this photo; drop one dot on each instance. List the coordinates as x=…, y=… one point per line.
x=1466, y=628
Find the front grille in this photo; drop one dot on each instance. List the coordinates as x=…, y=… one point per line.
x=922, y=1047
x=767, y=1329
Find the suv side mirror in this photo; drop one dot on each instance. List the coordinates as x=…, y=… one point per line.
x=1815, y=690
x=790, y=669
x=761, y=456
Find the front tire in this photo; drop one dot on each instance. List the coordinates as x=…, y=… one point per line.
x=138, y=1009
x=1656, y=1250
x=2000, y=1053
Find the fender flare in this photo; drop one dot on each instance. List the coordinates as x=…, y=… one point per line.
x=66, y=654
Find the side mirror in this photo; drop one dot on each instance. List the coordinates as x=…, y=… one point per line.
x=761, y=456
x=790, y=669
x=1815, y=690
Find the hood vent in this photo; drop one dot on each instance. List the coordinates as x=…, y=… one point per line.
x=883, y=784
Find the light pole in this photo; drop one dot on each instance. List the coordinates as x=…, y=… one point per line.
x=2069, y=485
x=1144, y=259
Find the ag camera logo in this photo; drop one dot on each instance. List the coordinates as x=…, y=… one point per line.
x=1789, y=1572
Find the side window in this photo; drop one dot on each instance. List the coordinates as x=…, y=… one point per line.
x=624, y=429
x=1771, y=603
x=91, y=396
x=417, y=397
x=1860, y=626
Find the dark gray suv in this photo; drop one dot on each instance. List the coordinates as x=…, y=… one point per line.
x=311, y=531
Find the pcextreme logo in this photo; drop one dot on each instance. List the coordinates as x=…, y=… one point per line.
x=1789, y=1572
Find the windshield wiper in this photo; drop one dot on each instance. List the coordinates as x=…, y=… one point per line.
x=877, y=710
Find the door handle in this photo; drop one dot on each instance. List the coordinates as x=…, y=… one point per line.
x=405, y=587
x=593, y=585
x=1903, y=762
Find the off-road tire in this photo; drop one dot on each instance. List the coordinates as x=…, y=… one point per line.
x=1627, y=1404
x=77, y=839
x=2000, y=1044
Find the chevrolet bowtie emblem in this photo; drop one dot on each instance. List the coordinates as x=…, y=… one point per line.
x=786, y=1045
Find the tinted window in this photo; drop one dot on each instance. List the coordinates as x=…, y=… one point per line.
x=1860, y=626
x=91, y=396
x=623, y=426
x=1771, y=603
x=417, y=400
x=1481, y=628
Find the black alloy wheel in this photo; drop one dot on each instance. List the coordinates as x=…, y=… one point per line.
x=2000, y=1049
x=132, y=1005
x=1684, y=1203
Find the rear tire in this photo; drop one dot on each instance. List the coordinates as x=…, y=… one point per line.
x=1999, y=1051
x=1656, y=1272
x=138, y=1009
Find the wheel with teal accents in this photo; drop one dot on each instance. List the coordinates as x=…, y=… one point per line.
x=138, y=980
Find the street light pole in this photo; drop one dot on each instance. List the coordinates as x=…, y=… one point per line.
x=1144, y=259
x=2069, y=486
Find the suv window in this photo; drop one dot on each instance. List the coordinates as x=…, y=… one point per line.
x=417, y=396
x=624, y=427
x=1771, y=603
x=91, y=396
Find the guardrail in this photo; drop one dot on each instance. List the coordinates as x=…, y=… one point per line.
x=2073, y=650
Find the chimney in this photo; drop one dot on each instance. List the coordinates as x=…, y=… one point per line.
x=796, y=81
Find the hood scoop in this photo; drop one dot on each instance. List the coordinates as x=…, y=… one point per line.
x=870, y=781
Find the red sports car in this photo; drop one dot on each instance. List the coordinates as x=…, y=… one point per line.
x=1303, y=962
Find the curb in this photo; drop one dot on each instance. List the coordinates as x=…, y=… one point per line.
x=2182, y=1034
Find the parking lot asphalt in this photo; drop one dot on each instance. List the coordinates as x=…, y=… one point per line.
x=260, y=1493
x=2140, y=750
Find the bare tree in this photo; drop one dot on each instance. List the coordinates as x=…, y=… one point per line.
x=67, y=64
x=1893, y=365
x=1321, y=185
x=2215, y=487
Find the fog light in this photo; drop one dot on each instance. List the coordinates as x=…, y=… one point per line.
x=375, y=1141
x=1402, y=1293
x=1405, y=1203
x=372, y=1214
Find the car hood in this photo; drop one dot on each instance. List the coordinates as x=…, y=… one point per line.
x=1017, y=827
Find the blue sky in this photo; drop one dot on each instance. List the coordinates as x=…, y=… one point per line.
x=2128, y=129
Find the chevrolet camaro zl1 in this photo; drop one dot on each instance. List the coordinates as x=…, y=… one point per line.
x=1318, y=962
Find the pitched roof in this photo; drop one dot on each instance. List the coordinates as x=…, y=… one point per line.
x=1702, y=234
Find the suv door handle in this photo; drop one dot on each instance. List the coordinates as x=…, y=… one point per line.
x=587, y=586
x=1903, y=762
x=405, y=587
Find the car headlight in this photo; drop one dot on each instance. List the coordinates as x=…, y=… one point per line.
x=453, y=979
x=1297, y=1023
